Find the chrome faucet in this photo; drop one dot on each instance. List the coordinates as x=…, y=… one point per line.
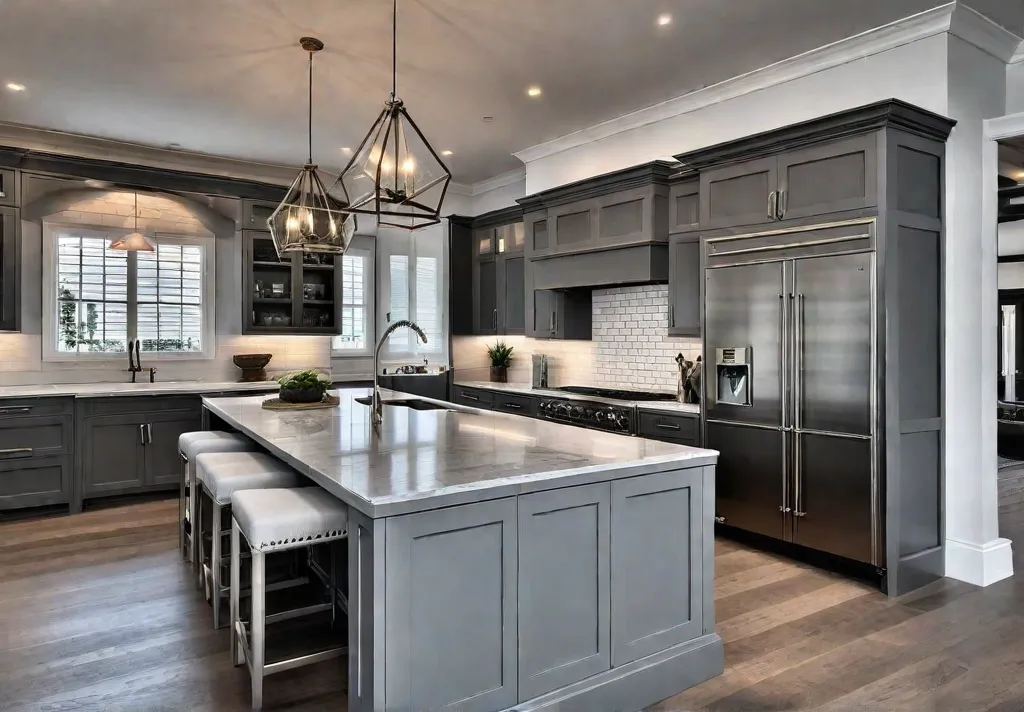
x=378, y=406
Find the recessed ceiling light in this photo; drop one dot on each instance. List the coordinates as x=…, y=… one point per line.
x=488, y=119
x=533, y=91
x=664, y=19
x=446, y=153
x=346, y=150
x=14, y=86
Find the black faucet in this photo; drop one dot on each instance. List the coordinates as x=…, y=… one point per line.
x=135, y=363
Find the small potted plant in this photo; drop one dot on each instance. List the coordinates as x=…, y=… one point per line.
x=501, y=358
x=303, y=387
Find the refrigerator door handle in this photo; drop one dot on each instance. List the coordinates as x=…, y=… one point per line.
x=784, y=507
x=798, y=347
x=783, y=356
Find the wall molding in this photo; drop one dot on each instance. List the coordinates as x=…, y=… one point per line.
x=498, y=181
x=974, y=28
x=979, y=564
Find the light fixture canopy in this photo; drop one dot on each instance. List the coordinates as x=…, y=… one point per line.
x=395, y=174
x=309, y=219
x=135, y=241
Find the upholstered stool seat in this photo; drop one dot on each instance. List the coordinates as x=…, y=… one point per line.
x=190, y=445
x=220, y=475
x=277, y=520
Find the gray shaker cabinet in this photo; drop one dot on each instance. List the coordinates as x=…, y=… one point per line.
x=10, y=269
x=451, y=606
x=485, y=295
x=499, y=279
x=739, y=194
x=684, y=285
x=163, y=461
x=564, y=584
x=656, y=563
x=511, y=293
x=560, y=314
x=113, y=453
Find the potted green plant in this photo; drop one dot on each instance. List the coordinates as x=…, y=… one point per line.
x=303, y=387
x=501, y=358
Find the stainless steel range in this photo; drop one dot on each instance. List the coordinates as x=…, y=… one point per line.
x=598, y=408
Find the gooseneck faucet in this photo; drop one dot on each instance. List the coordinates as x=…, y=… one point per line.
x=377, y=406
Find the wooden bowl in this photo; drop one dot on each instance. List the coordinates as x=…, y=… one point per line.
x=247, y=361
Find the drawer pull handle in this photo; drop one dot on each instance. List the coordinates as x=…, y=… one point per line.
x=13, y=452
x=513, y=406
x=20, y=409
x=666, y=426
x=469, y=397
x=720, y=520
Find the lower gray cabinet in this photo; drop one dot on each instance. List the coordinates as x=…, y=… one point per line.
x=473, y=397
x=564, y=585
x=163, y=462
x=35, y=482
x=681, y=429
x=451, y=610
x=113, y=453
x=656, y=563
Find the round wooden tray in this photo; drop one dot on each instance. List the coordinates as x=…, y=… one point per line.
x=329, y=401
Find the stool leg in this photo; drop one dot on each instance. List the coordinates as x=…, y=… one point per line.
x=215, y=555
x=182, y=501
x=236, y=586
x=257, y=639
x=197, y=532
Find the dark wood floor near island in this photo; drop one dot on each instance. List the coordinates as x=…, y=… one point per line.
x=97, y=613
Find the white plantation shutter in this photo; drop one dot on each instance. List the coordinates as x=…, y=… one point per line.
x=96, y=299
x=356, y=295
x=91, y=295
x=399, y=265
x=428, y=304
x=170, y=298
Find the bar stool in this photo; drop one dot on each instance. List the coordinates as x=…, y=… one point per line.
x=277, y=520
x=219, y=475
x=189, y=446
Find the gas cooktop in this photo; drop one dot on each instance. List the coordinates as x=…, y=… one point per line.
x=616, y=394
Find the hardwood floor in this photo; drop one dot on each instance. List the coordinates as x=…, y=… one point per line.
x=97, y=613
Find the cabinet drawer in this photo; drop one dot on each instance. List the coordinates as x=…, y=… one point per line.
x=15, y=408
x=514, y=403
x=36, y=436
x=35, y=482
x=473, y=397
x=682, y=429
x=140, y=404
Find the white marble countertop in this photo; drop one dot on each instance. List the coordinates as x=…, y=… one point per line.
x=422, y=460
x=101, y=390
x=660, y=406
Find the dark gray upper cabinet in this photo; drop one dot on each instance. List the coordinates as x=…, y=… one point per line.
x=684, y=205
x=741, y=194
x=560, y=314
x=255, y=214
x=491, y=259
x=10, y=269
x=830, y=178
x=684, y=285
x=9, y=188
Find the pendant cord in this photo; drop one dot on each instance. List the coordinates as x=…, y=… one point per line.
x=310, y=108
x=136, y=211
x=394, y=50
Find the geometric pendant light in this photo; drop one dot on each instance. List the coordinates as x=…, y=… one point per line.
x=309, y=219
x=136, y=241
x=395, y=174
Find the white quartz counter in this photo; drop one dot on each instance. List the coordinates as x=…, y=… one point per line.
x=422, y=460
x=102, y=390
x=659, y=406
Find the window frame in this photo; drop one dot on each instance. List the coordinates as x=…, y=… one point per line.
x=51, y=231
x=365, y=247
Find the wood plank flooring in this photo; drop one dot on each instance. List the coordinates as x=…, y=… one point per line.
x=97, y=613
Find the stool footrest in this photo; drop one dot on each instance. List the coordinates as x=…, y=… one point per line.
x=297, y=612
x=282, y=665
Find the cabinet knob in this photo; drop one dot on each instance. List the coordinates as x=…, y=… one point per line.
x=720, y=520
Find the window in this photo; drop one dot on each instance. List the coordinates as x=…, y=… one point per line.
x=356, y=338
x=415, y=288
x=96, y=299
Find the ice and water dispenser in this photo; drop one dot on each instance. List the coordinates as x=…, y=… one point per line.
x=732, y=371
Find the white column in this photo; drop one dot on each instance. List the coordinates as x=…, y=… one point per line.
x=974, y=551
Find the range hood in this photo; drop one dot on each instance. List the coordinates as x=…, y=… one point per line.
x=623, y=266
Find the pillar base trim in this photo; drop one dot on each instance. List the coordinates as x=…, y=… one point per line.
x=979, y=564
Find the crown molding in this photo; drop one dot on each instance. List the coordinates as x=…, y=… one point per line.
x=1018, y=54
x=896, y=34
x=976, y=29
x=498, y=181
x=90, y=147
x=460, y=189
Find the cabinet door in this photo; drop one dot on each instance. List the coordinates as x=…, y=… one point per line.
x=682, y=429
x=451, y=610
x=752, y=479
x=830, y=178
x=485, y=296
x=8, y=187
x=657, y=562
x=684, y=206
x=163, y=462
x=684, y=286
x=574, y=225
x=541, y=317
x=511, y=294
x=113, y=454
x=739, y=194
x=537, y=229
x=10, y=269
x=35, y=482
x=563, y=587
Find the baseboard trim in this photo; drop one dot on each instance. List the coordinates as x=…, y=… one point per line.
x=979, y=564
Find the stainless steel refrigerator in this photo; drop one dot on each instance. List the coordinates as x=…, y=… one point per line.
x=790, y=340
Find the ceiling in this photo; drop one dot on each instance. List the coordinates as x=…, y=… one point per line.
x=226, y=77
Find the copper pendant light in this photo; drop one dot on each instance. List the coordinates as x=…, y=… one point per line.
x=395, y=174
x=136, y=241
x=308, y=219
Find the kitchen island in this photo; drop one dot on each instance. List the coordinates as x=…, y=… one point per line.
x=500, y=562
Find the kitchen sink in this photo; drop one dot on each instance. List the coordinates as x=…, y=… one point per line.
x=410, y=403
